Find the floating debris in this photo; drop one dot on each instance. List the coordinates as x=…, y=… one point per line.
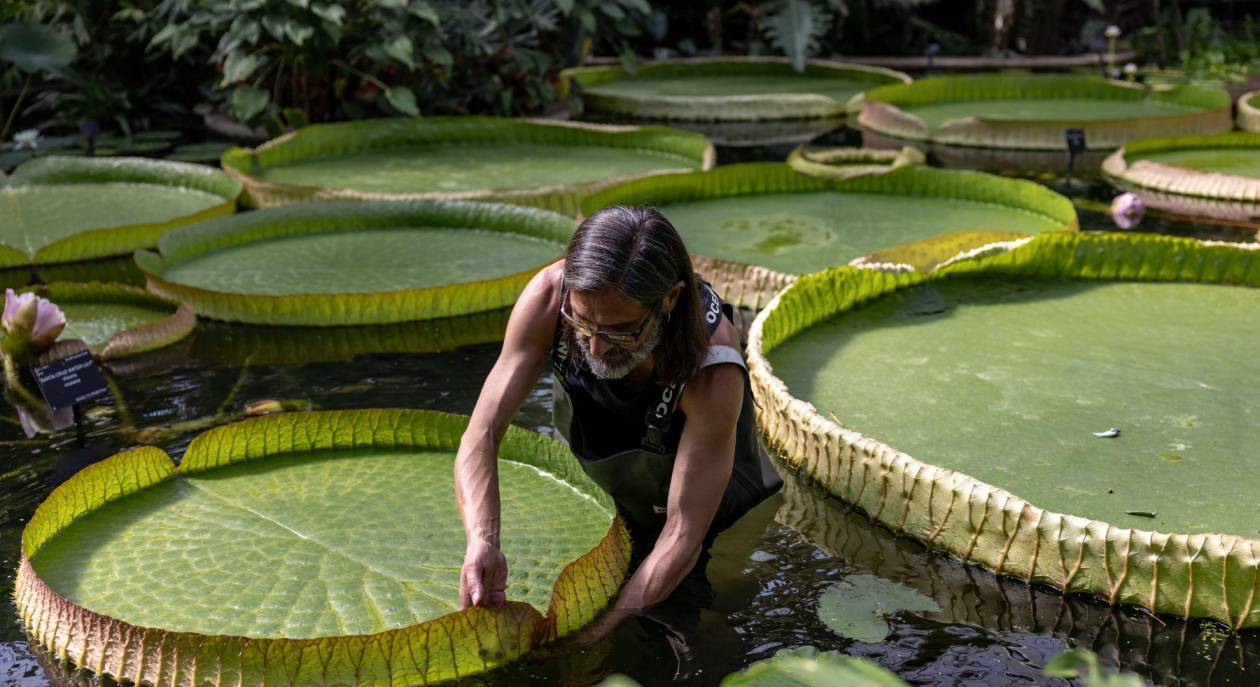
x=1109, y=433
x=1142, y=513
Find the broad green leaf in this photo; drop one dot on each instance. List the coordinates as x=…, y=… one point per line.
x=530, y=163
x=353, y=262
x=36, y=47
x=57, y=209
x=331, y=13
x=440, y=55
x=808, y=667
x=1012, y=506
x=425, y=11
x=240, y=66
x=359, y=508
x=115, y=320
x=858, y=607
x=727, y=89
x=769, y=215
x=403, y=100
x=297, y=32
x=566, y=6
x=248, y=102
x=402, y=50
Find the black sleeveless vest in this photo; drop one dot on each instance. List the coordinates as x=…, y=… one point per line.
x=626, y=441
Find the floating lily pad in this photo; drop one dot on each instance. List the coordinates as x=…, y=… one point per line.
x=1218, y=176
x=1031, y=111
x=993, y=372
x=858, y=607
x=808, y=667
x=64, y=209
x=311, y=548
x=356, y=262
x=540, y=163
x=727, y=88
x=208, y=153
x=771, y=216
x=117, y=321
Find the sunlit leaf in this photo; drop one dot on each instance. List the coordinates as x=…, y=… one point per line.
x=403, y=100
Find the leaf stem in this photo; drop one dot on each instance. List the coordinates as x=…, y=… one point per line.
x=4, y=133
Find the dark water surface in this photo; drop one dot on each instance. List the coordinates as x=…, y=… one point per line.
x=767, y=572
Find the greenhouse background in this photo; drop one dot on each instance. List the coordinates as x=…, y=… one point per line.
x=993, y=268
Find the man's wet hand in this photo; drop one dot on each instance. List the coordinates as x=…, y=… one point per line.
x=483, y=577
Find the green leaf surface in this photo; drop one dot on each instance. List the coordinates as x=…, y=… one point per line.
x=808, y=667
x=793, y=26
x=403, y=100
x=358, y=508
x=36, y=47
x=116, y=320
x=357, y=262
x=61, y=209
x=239, y=66
x=248, y=102
x=858, y=607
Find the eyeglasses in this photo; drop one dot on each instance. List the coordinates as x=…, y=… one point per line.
x=616, y=338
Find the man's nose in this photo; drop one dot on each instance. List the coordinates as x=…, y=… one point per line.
x=598, y=346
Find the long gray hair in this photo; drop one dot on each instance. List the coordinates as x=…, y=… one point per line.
x=635, y=252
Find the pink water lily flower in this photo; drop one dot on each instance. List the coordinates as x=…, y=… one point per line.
x=1127, y=210
x=37, y=320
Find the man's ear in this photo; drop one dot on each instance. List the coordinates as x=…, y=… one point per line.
x=671, y=298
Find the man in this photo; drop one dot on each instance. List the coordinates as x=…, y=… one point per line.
x=651, y=393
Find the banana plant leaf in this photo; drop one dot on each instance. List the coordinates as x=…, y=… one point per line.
x=65, y=209
x=1019, y=355
x=722, y=89
x=1027, y=111
x=348, y=263
x=310, y=548
x=539, y=163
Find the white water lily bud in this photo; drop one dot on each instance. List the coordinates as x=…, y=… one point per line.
x=26, y=138
x=49, y=321
x=31, y=323
x=1130, y=68
x=19, y=312
x=1112, y=31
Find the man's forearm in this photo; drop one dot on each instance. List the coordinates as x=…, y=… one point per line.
x=660, y=573
x=477, y=485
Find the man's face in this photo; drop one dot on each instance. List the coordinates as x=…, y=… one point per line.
x=612, y=313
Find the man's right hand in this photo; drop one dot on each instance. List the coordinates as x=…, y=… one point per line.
x=483, y=578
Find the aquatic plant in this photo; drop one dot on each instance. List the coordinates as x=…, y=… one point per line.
x=348, y=575
x=1203, y=573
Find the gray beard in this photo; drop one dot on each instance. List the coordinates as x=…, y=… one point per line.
x=632, y=359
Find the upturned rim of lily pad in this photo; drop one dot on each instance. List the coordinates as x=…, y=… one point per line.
x=725, y=108
x=888, y=110
x=360, y=308
x=91, y=244
x=1192, y=575
x=175, y=326
x=452, y=646
x=342, y=138
x=1125, y=169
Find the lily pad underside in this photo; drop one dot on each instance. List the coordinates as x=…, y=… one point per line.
x=356, y=262
x=1002, y=479
x=117, y=321
x=1224, y=167
x=727, y=88
x=310, y=548
x=66, y=209
x=1031, y=111
x=539, y=163
x=766, y=217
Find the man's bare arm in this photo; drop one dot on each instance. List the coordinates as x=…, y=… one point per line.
x=483, y=576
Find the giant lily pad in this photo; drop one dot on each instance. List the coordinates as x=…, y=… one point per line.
x=356, y=262
x=996, y=372
x=727, y=88
x=310, y=548
x=65, y=209
x=548, y=164
x=1217, y=176
x=1031, y=111
x=785, y=223
x=117, y=321
x=808, y=667
x=858, y=607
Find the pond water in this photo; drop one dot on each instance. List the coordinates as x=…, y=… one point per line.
x=767, y=573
